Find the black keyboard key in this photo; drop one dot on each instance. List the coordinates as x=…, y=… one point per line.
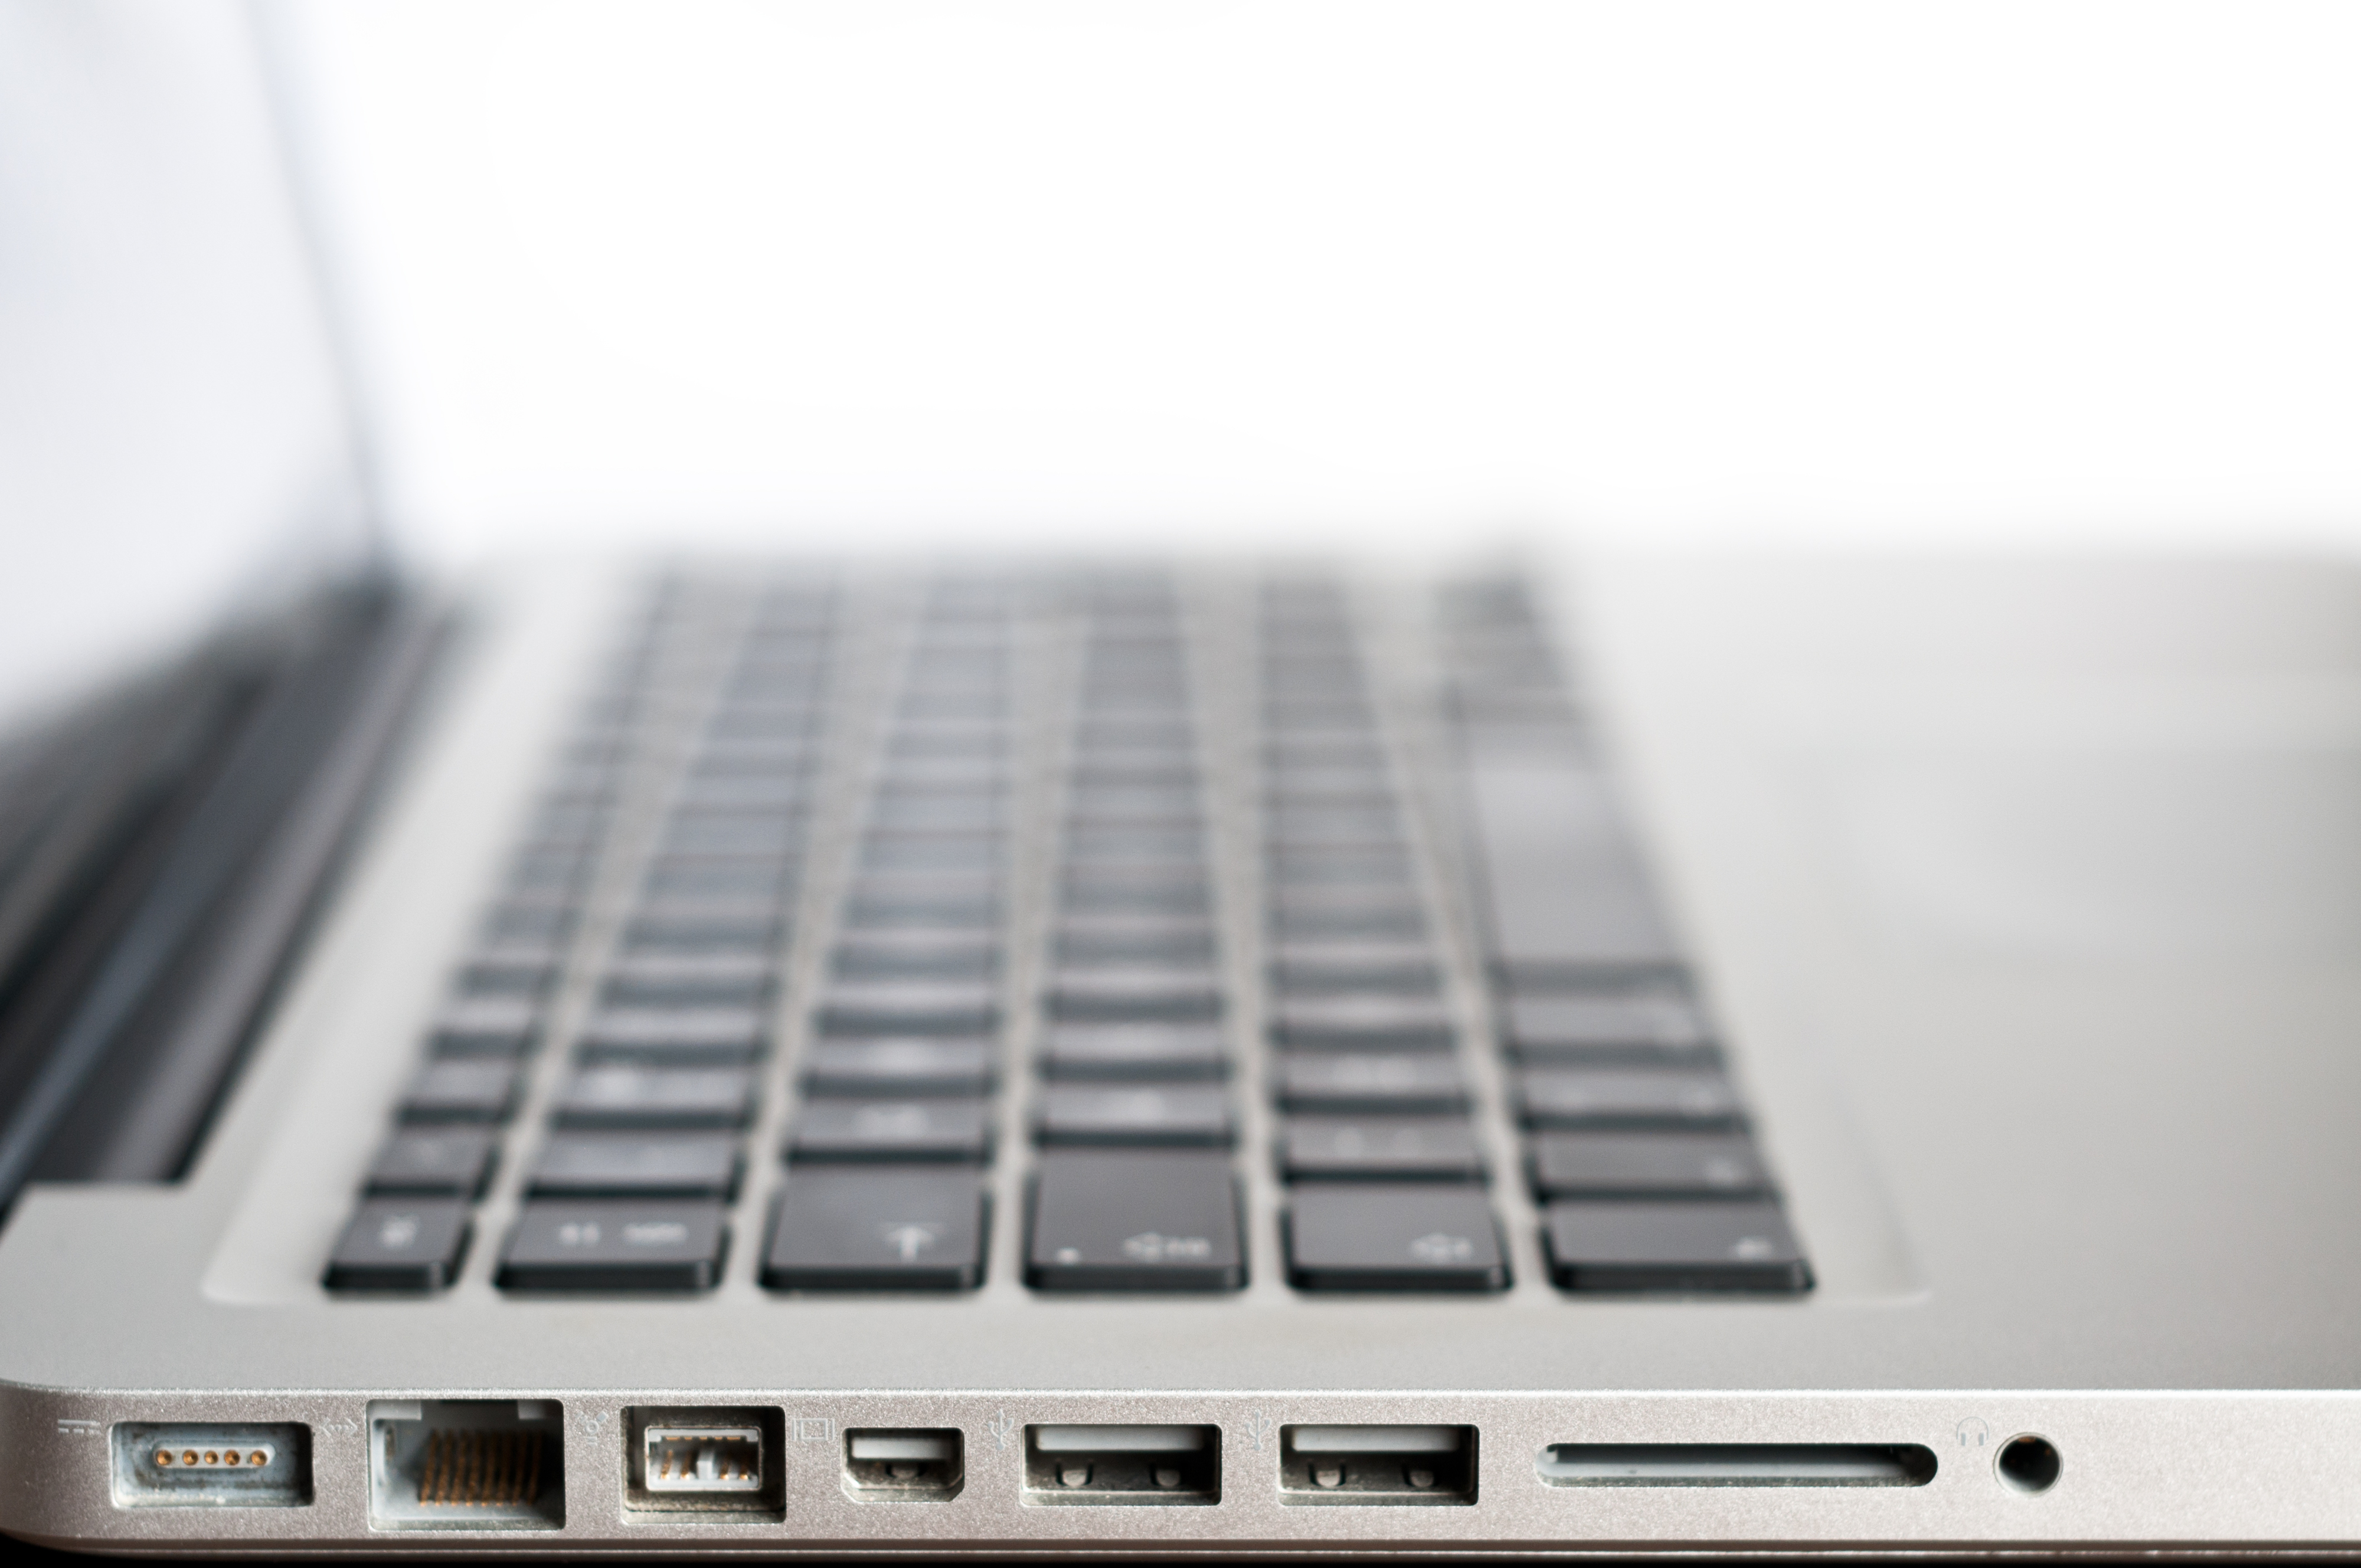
x=1672, y=1246
x=395, y=1244
x=1598, y=1030
x=1297, y=913
x=917, y=955
x=1351, y=1237
x=878, y=900
x=1564, y=896
x=449, y=1162
x=1117, y=938
x=1139, y=1116
x=1133, y=1051
x=1379, y=1148
x=486, y=1027
x=737, y=926
x=624, y=1165
x=673, y=1036
x=1135, y=991
x=510, y=969
x=615, y=1246
x=1627, y=1099
x=677, y=880
x=892, y=1131
x=656, y=1098
x=1303, y=969
x=477, y=1092
x=1172, y=890
x=690, y=980
x=909, y=1007
x=1647, y=1165
x=897, y=1067
x=1378, y=1022
x=1134, y=1221
x=1396, y=1084
x=877, y=1230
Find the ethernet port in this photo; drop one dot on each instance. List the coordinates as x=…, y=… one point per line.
x=466, y=1465
x=723, y=1464
x=904, y=1464
x=1364, y=1465
x=1077, y=1464
x=208, y=1465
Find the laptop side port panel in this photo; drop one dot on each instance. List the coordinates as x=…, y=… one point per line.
x=185, y=1464
x=1376, y=1464
x=904, y=1464
x=709, y=1464
x=466, y=1465
x=1076, y=1464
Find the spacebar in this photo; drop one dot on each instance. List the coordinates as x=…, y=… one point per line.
x=1134, y=1221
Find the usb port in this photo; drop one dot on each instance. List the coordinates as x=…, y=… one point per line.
x=709, y=1460
x=903, y=1465
x=1364, y=1465
x=186, y=1464
x=1076, y=1464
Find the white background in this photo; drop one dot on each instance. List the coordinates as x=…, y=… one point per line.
x=1404, y=275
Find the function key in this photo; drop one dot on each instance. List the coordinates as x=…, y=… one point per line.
x=1672, y=1246
x=1134, y=1221
x=877, y=1230
x=1407, y=1237
x=393, y=1244
x=615, y=1246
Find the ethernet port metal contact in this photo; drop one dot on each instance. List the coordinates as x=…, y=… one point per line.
x=1364, y=1465
x=466, y=1465
x=721, y=1464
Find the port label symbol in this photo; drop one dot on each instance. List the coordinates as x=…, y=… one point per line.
x=70, y=1428
x=1002, y=1426
x=811, y=1429
x=1973, y=1433
x=1260, y=1427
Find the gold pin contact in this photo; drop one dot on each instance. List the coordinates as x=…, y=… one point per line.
x=478, y=1468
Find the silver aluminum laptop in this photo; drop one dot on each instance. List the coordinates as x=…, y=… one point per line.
x=1180, y=1058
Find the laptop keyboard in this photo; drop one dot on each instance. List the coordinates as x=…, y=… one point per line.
x=839, y=901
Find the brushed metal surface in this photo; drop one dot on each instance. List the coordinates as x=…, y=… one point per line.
x=2086, y=1178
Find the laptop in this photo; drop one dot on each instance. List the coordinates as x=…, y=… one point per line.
x=1175, y=1057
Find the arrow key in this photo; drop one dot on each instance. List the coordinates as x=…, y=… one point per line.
x=877, y=1229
